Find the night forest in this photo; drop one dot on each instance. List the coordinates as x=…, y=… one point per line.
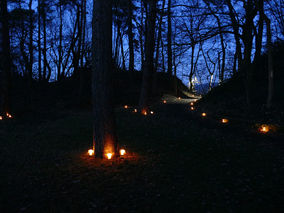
x=141, y=106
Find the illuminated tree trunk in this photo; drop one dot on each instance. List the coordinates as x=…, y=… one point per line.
x=149, y=61
x=39, y=40
x=104, y=134
x=5, y=61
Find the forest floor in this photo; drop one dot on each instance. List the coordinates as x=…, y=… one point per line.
x=176, y=161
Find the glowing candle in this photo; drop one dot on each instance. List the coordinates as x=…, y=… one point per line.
x=179, y=98
x=1, y=118
x=191, y=104
x=125, y=107
x=203, y=114
x=145, y=113
x=264, y=129
x=109, y=155
x=135, y=110
x=191, y=108
x=91, y=152
x=164, y=101
x=152, y=112
x=224, y=120
x=122, y=152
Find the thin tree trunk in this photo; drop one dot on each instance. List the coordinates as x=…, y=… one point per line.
x=44, y=47
x=31, y=53
x=270, y=63
x=130, y=36
x=169, y=38
x=141, y=35
x=39, y=40
x=60, y=42
x=104, y=134
x=149, y=66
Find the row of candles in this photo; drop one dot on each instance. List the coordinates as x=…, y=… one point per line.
x=7, y=115
x=122, y=152
x=264, y=128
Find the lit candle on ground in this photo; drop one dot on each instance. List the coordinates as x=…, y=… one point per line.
x=179, y=98
x=224, y=120
x=109, y=155
x=191, y=108
x=164, y=101
x=191, y=104
x=91, y=152
x=135, y=110
x=203, y=114
x=1, y=118
x=122, y=152
x=264, y=129
x=8, y=115
x=125, y=107
x=152, y=112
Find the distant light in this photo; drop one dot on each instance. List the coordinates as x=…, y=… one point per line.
x=264, y=128
x=91, y=152
x=125, y=107
x=8, y=115
x=224, y=120
x=109, y=155
x=152, y=112
x=191, y=103
x=122, y=152
x=164, y=101
x=191, y=108
x=135, y=110
x=145, y=113
x=179, y=98
x=203, y=114
x=1, y=118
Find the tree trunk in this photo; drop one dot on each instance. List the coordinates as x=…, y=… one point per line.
x=149, y=66
x=39, y=40
x=5, y=60
x=141, y=35
x=130, y=36
x=44, y=47
x=60, y=42
x=270, y=63
x=169, y=38
x=31, y=48
x=104, y=133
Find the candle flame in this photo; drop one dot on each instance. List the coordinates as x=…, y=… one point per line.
x=122, y=152
x=8, y=115
x=179, y=98
x=203, y=114
x=191, y=104
x=125, y=107
x=192, y=108
x=135, y=110
x=264, y=128
x=91, y=152
x=164, y=101
x=152, y=112
x=1, y=118
x=109, y=155
x=224, y=120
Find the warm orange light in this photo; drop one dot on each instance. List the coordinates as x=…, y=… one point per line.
x=109, y=155
x=122, y=152
x=8, y=115
x=152, y=112
x=91, y=152
x=224, y=120
x=203, y=114
x=264, y=129
x=144, y=113
x=125, y=107
x=191, y=104
x=191, y=108
x=164, y=101
x=1, y=118
x=179, y=98
x=135, y=110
